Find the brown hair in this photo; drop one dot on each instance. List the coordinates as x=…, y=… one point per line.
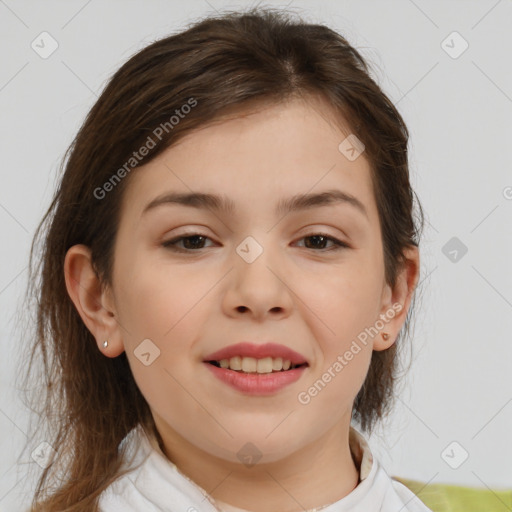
x=218, y=64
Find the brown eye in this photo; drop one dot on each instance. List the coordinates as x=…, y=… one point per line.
x=320, y=239
x=192, y=242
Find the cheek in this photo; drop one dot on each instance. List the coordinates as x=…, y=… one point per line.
x=339, y=308
x=164, y=305
x=341, y=301
x=158, y=300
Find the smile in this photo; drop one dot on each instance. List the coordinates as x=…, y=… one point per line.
x=256, y=383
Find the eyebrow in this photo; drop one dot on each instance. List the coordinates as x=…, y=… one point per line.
x=222, y=203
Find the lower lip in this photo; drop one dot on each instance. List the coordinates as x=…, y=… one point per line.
x=257, y=383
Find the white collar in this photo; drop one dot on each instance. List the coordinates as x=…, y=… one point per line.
x=154, y=484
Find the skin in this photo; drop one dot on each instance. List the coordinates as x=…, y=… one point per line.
x=297, y=293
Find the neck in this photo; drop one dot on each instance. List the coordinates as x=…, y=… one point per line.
x=321, y=473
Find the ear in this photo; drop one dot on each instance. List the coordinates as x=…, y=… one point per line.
x=396, y=301
x=94, y=305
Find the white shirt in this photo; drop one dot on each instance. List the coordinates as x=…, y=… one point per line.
x=157, y=485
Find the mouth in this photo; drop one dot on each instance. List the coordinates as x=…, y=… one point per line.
x=249, y=365
x=256, y=377
x=246, y=357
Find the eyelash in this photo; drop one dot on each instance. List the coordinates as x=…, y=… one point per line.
x=171, y=244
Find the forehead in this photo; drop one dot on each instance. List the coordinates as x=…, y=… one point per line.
x=266, y=152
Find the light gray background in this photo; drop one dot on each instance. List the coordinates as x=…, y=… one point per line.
x=458, y=111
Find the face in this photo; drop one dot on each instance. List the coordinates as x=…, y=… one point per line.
x=310, y=279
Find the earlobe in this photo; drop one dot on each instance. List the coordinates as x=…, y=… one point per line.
x=396, y=301
x=382, y=341
x=91, y=303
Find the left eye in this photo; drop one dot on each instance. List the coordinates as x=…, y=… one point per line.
x=192, y=241
x=321, y=238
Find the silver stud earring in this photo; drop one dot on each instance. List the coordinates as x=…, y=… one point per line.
x=105, y=344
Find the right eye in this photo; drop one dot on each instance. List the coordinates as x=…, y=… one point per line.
x=191, y=241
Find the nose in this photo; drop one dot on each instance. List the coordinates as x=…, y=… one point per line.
x=258, y=287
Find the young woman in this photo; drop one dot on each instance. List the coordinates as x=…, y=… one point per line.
x=229, y=266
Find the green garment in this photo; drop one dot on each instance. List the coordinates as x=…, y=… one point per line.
x=456, y=498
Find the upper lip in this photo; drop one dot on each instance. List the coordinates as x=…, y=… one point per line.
x=258, y=351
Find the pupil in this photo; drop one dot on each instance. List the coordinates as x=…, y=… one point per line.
x=322, y=238
x=187, y=240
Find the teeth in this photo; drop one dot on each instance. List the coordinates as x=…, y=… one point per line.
x=265, y=365
x=249, y=364
x=235, y=363
x=277, y=363
x=252, y=365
